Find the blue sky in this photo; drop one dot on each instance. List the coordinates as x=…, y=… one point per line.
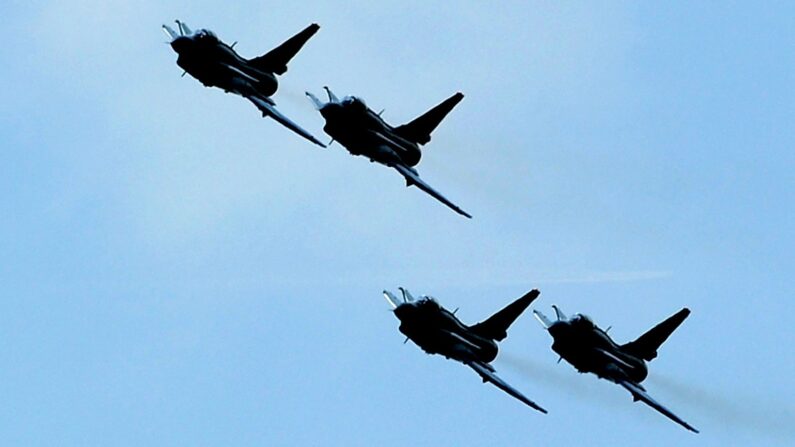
x=179, y=271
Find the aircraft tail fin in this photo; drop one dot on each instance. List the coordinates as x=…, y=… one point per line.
x=275, y=61
x=419, y=130
x=496, y=326
x=647, y=344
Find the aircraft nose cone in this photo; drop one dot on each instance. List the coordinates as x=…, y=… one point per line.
x=329, y=109
x=558, y=328
x=180, y=44
x=403, y=311
x=400, y=312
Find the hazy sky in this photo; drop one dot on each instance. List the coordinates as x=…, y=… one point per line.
x=180, y=271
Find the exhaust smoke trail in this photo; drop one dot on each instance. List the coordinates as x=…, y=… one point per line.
x=295, y=97
x=555, y=375
x=747, y=413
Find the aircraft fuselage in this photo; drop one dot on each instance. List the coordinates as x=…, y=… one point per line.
x=437, y=331
x=216, y=64
x=590, y=350
x=363, y=132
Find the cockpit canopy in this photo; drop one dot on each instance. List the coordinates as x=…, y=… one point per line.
x=205, y=34
x=354, y=103
x=412, y=309
x=428, y=302
x=583, y=320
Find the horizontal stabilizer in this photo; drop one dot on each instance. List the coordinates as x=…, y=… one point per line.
x=183, y=28
x=275, y=61
x=559, y=313
x=496, y=326
x=391, y=299
x=647, y=344
x=419, y=130
x=171, y=33
x=546, y=322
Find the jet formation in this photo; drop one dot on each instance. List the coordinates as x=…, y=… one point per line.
x=424, y=321
x=590, y=350
x=438, y=331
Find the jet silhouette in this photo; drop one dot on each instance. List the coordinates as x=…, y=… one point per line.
x=438, y=331
x=590, y=350
x=363, y=132
x=215, y=64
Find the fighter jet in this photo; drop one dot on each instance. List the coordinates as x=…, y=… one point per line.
x=216, y=64
x=590, y=350
x=364, y=132
x=438, y=331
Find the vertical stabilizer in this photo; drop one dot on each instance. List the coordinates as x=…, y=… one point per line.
x=419, y=130
x=647, y=344
x=275, y=61
x=496, y=326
